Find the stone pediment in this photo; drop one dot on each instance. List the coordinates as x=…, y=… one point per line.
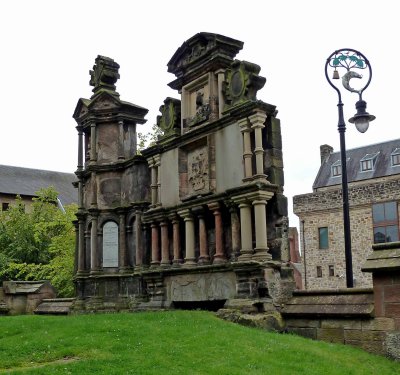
x=81, y=108
x=104, y=101
x=202, y=50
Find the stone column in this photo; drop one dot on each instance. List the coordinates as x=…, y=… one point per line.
x=221, y=102
x=189, y=237
x=176, y=240
x=247, y=154
x=155, y=246
x=138, y=239
x=81, y=246
x=157, y=164
x=93, y=153
x=235, y=228
x=204, y=256
x=94, y=255
x=219, y=256
x=123, y=256
x=121, y=153
x=246, y=231
x=80, y=148
x=165, y=261
x=257, y=120
x=153, y=186
x=260, y=221
x=80, y=193
x=260, y=218
x=93, y=203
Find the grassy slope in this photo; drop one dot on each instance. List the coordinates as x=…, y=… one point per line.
x=179, y=342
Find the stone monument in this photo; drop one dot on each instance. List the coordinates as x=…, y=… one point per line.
x=198, y=220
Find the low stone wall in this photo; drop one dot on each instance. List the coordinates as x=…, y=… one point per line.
x=343, y=316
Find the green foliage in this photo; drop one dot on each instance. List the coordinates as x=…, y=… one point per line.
x=149, y=139
x=38, y=244
x=171, y=342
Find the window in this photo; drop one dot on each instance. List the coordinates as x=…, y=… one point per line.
x=385, y=222
x=319, y=271
x=395, y=156
x=331, y=269
x=336, y=169
x=323, y=238
x=367, y=163
x=5, y=206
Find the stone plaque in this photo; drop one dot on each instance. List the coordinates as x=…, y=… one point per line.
x=110, y=244
x=198, y=174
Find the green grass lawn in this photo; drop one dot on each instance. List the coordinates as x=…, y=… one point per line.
x=175, y=342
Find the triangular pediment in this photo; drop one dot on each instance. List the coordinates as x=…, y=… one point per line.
x=104, y=101
x=81, y=108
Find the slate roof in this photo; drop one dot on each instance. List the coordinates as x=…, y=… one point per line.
x=383, y=165
x=26, y=181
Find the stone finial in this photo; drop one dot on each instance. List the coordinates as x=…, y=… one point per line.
x=242, y=82
x=325, y=151
x=104, y=75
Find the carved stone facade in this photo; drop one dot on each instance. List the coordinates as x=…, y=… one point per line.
x=199, y=218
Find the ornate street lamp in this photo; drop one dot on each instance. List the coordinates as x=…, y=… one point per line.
x=350, y=62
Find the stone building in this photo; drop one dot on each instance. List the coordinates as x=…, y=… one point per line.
x=374, y=181
x=25, y=182
x=197, y=220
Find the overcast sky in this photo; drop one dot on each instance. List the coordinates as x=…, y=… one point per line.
x=48, y=48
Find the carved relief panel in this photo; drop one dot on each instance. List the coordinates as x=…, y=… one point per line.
x=197, y=168
x=199, y=102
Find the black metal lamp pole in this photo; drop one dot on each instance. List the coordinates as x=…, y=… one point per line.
x=351, y=60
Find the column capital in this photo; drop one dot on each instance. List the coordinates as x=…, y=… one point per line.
x=244, y=124
x=157, y=160
x=214, y=206
x=257, y=119
x=186, y=214
x=151, y=162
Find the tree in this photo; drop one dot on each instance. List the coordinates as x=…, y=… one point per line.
x=38, y=245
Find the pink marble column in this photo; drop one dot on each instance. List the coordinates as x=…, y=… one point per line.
x=155, y=247
x=219, y=256
x=176, y=240
x=165, y=261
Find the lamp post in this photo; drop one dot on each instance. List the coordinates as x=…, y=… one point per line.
x=351, y=62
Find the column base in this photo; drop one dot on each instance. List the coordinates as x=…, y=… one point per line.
x=218, y=259
x=190, y=262
x=261, y=254
x=203, y=260
x=165, y=263
x=245, y=255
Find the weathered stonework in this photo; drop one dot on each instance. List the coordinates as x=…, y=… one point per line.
x=197, y=220
x=324, y=209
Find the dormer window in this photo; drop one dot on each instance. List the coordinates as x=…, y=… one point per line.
x=395, y=157
x=336, y=169
x=367, y=163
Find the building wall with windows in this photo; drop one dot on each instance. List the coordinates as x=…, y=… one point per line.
x=374, y=213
